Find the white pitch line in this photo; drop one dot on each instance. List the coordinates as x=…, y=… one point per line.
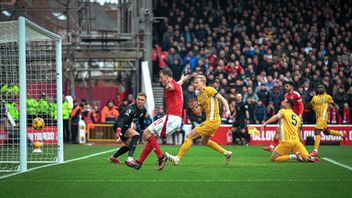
x=190, y=180
x=337, y=163
x=54, y=164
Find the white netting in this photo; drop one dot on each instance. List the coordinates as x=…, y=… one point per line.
x=9, y=33
x=41, y=96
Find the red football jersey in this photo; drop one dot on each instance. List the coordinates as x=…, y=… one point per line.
x=297, y=98
x=174, y=99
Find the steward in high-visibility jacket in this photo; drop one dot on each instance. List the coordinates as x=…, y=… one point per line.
x=44, y=108
x=66, y=111
x=12, y=109
x=14, y=89
x=53, y=111
x=32, y=106
x=4, y=88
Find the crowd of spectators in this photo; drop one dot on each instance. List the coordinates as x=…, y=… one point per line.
x=252, y=47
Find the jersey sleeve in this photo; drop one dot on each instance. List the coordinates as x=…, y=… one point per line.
x=312, y=101
x=329, y=99
x=199, y=100
x=141, y=120
x=211, y=91
x=175, y=86
x=297, y=96
x=129, y=111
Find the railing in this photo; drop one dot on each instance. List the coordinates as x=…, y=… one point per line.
x=100, y=133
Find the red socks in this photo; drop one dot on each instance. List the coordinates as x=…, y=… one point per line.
x=152, y=144
x=147, y=149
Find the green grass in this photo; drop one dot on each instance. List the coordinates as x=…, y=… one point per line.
x=201, y=174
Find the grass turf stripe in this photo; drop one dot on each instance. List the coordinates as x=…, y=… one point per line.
x=189, y=180
x=337, y=163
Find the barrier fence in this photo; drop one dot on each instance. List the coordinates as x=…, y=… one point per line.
x=223, y=136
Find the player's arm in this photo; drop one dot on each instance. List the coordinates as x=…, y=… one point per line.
x=335, y=106
x=271, y=120
x=225, y=103
x=331, y=101
x=125, y=116
x=301, y=108
x=300, y=104
x=141, y=121
x=195, y=107
x=184, y=79
x=300, y=135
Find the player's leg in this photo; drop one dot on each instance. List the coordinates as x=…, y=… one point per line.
x=320, y=126
x=184, y=147
x=152, y=144
x=206, y=130
x=126, y=141
x=236, y=133
x=215, y=146
x=281, y=152
x=317, y=132
x=133, y=137
x=122, y=150
x=334, y=133
x=235, y=137
x=302, y=154
x=245, y=135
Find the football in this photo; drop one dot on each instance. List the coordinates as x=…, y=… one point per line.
x=37, y=144
x=38, y=123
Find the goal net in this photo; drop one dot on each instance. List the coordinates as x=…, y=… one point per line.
x=30, y=87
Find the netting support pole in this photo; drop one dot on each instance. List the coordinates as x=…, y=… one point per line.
x=59, y=95
x=22, y=83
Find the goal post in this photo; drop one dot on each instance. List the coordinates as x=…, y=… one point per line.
x=32, y=60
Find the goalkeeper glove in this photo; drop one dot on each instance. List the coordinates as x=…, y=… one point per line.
x=118, y=134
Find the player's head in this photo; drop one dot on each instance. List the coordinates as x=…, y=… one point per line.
x=141, y=99
x=289, y=85
x=199, y=82
x=289, y=103
x=165, y=75
x=321, y=88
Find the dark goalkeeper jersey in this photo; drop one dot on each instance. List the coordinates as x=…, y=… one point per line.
x=128, y=114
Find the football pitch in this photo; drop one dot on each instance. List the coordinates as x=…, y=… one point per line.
x=202, y=173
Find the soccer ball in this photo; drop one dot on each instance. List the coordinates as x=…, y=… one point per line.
x=38, y=123
x=37, y=147
x=37, y=144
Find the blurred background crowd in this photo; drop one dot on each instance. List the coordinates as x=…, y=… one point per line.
x=249, y=48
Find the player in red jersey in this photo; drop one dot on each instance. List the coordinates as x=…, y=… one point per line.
x=166, y=125
x=298, y=109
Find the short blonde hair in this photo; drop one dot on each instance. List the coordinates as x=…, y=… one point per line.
x=201, y=78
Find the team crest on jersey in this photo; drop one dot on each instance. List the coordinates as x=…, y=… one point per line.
x=322, y=99
x=203, y=97
x=128, y=112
